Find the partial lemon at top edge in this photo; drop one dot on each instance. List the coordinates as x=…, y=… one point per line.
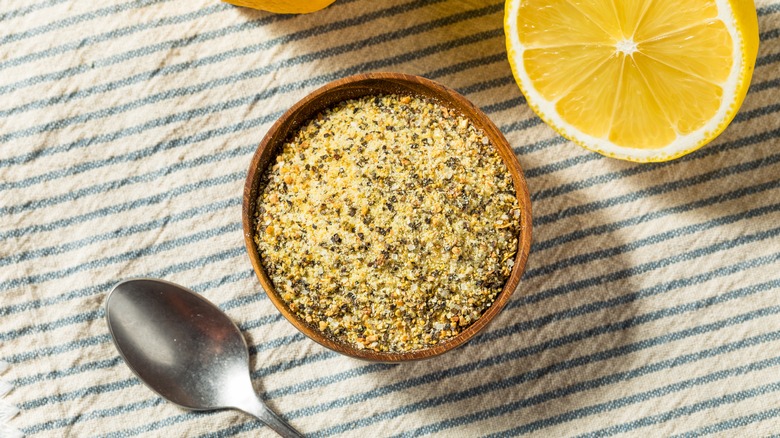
x=283, y=6
x=646, y=80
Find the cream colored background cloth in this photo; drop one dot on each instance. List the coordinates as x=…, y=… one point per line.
x=650, y=304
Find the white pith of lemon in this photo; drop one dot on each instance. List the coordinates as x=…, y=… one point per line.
x=646, y=80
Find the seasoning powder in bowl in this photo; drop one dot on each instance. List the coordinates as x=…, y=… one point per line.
x=388, y=222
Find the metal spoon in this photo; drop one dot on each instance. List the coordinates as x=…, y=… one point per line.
x=185, y=349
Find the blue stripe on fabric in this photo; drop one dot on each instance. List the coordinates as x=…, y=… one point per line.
x=655, y=393
x=259, y=322
x=75, y=19
x=58, y=374
x=774, y=33
x=530, y=148
x=657, y=289
x=93, y=415
x=768, y=59
x=766, y=10
x=117, y=233
x=731, y=424
x=657, y=214
x=276, y=343
x=329, y=379
x=115, y=184
x=766, y=85
x=712, y=149
x=62, y=348
x=657, y=189
x=79, y=393
x=142, y=153
x=466, y=65
x=731, y=398
x=603, y=253
x=39, y=327
x=750, y=114
x=232, y=278
x=104, y=287
x=270, y=68
x=505, y=105
x=118, y=208
x=582, y=386
x=183, y=42
x=294, y=363
x=520, y=125
x=163, y=423
x=579, y=361
x=646, y=343
x=535, y=172
x=136, y=53
x=108, y=36
x=644, y=267
x=122, y=257
x=492, y=83
x=20, y=12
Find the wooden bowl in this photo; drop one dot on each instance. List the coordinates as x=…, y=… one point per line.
x=372, y=84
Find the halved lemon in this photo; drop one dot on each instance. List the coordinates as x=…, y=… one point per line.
x=639, y=80
x=283, y=6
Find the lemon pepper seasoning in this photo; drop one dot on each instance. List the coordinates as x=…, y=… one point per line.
x=388, y=222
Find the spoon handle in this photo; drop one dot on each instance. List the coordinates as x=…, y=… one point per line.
x=269, y=417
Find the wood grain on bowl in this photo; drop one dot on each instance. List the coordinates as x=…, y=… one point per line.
x=376, y=84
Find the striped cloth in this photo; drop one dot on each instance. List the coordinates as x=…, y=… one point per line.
x=650, y=301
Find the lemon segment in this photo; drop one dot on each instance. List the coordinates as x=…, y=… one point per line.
x=646, y=80
x=671, y=86
x=638, y=120
x=553, y=23
x=554, y=83
x=584, y=105
x=664, y=17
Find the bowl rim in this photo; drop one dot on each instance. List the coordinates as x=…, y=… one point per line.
x=373, y=84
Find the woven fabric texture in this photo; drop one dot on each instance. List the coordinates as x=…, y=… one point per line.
x=650, y=302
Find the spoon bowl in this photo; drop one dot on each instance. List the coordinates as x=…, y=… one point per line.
x=185, y=349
